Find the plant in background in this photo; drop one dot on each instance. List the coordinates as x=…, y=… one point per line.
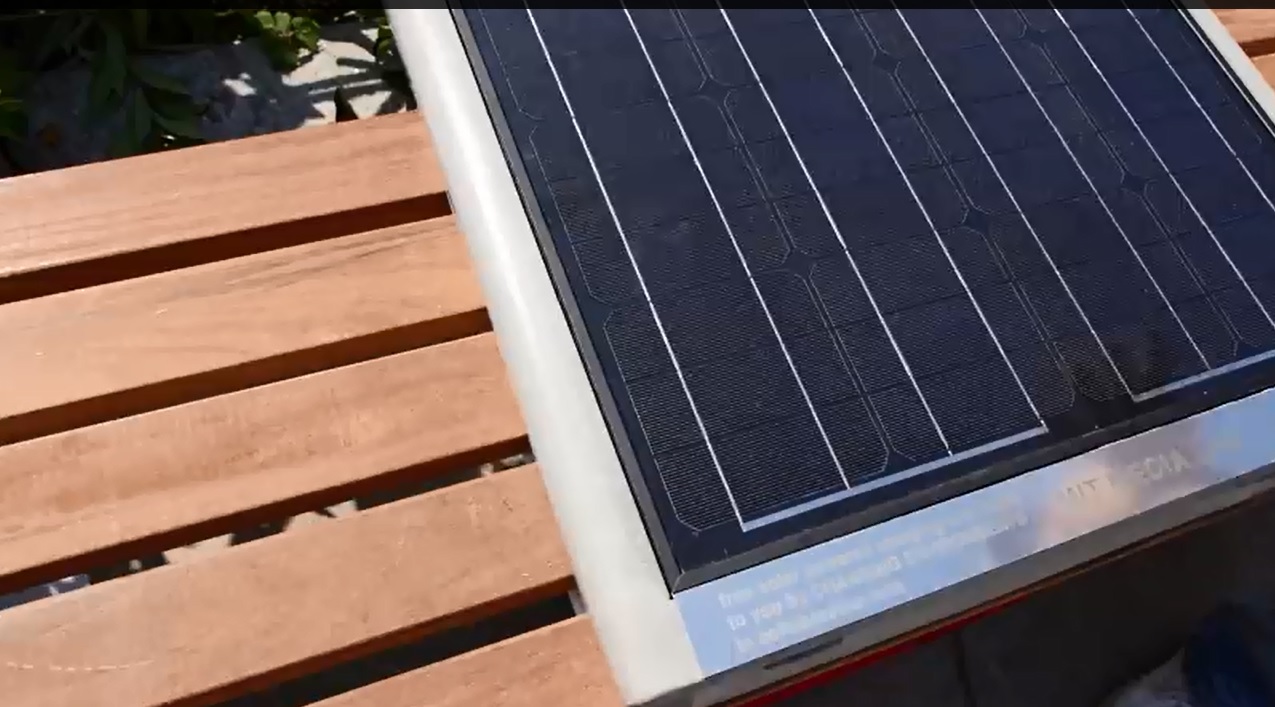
x=386, y=50
x=156, y=109
x=115, y=44
x=386, y=53
x=284, y=36
x=13, y=117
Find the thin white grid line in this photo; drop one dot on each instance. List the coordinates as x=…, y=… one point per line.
x=895, y=477
x=1092, y=187
x=926, y=213
x=1021, y=214
x=1191, y=380
x=1212, y=125
x=646, y=294
x=730, y=232
x=836, y=230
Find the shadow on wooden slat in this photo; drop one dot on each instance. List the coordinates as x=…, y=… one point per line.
x=395, y=661
x=426, y=481
x=124, y=266
x=271, y=369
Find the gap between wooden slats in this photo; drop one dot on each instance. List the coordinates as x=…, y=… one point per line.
x=560, y=665
x=105, y=352
x=1253, y=29
x=197, y=633
x=105, y=222
x=145, y=484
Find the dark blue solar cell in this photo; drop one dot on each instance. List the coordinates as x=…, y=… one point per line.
x=1094, y=160
x=780, y=169
x=1184, y=141
x=1134, y=216
x=657, y=24
x=673, y=255
x=723, y=64
x=829, y=259
x=849, y=39
x=779, y=52
x=819, y=103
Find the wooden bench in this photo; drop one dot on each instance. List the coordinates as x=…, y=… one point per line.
x=198, y=342
x=201, y=342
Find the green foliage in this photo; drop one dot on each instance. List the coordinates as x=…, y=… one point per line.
x=13, y=117
x=284, y=36
x=386, y=50
x=157, y=110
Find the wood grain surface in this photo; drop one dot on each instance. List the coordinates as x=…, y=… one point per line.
x=557, y=666
x=104, y=210
x=1266, y=65
x=148, y=483
x=255, y=614
x=1254, y=29
x=104, y=352
x=198, y=339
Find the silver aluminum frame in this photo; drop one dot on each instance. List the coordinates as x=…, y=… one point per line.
x=767, y=623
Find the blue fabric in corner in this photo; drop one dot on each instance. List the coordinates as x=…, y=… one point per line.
x=1229, y=661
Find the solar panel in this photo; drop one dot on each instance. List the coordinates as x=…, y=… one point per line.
x=828, y=267
x=831, y=259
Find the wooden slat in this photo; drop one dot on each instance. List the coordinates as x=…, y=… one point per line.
x=1253, y=29
x=190, y=196
x=560, y=666
x=203, y=631
x=95, y=354
x=148, y=483
x=1266, y=65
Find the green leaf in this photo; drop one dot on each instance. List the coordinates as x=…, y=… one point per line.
x=384, y=47
x=122, y=145
x=282, y=21
x=53, y=37
x=172, y=106
x=306, y=31
x=12, y=79
x=280, y=54
x=265, y=19
x=99, y=93
x=141, y=25
x=13, y=123
x=156, y=79
x=140, y=117
x=82, y=26
x=188, y=127
x=114, y=57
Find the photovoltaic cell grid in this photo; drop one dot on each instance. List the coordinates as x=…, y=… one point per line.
x=827, y=257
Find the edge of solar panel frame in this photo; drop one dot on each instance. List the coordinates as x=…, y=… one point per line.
x=640, y=626
x=614, y=562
